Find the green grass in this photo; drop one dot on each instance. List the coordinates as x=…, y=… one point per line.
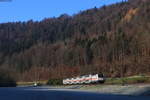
x=24, y=83
x=128, y=80
x=31, y=83
x=111, y=81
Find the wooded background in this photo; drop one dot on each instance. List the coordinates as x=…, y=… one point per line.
x=113, y=40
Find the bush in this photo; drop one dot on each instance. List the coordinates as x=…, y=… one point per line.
x=7, y=81
x=142, y=80
x=54, y=82
x=6, y=78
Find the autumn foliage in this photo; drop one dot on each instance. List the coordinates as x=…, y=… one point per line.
x=113, y=40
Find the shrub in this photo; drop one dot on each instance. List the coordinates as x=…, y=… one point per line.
x=141, y=79
x=7, y=81
x=54, y=82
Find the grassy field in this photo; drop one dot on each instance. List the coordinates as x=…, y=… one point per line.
x=31, y=83
x=111, y=81
x=128, y=80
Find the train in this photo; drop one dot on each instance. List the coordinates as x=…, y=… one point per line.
x=85, y=79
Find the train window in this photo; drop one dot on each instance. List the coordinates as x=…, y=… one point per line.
x=100, y=75
x=86, y=75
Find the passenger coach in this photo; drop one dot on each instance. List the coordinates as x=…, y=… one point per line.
x=86, y=79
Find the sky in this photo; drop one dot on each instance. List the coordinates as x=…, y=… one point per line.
x=24, y=10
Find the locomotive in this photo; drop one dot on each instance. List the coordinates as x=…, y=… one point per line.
x=86, y=79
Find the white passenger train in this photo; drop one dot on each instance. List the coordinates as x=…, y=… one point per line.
x=86, y=79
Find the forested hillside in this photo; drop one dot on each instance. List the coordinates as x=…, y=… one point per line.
x=112, y=39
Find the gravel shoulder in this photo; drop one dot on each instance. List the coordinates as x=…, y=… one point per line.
x=119, y=89
x=135, y=90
